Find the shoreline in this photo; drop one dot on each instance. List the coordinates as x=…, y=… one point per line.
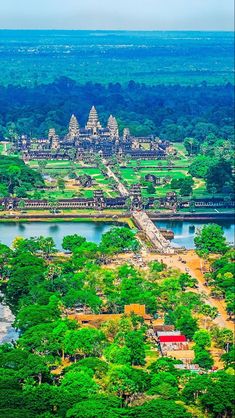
x=114, y=217
x=196, y=216
x=122, y=220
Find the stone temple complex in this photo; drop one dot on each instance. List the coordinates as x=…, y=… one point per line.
x=92, y=139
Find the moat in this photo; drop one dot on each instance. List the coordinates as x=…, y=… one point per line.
x=92, y=231
x=184, y=231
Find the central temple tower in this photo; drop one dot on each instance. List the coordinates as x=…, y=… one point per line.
x=93, y=122
x=73, y=127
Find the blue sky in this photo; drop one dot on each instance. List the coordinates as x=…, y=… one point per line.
x=117, y=14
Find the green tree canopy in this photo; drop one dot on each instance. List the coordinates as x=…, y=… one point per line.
x=118, y=240
x=210, y=239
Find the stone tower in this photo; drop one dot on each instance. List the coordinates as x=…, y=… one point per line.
x=126, y=133
x=73, y=127
x=51, y=134
x=113, y=127
x=93, y=121
x=136, y=198
x=99, y=200
x=54, y=139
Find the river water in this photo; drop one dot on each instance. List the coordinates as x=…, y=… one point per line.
x=185, y=231
x=92, y=231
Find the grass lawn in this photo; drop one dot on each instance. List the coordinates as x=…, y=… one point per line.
x=151, y=353
x=51, y=163
x=180, y=148
x=100, y=181
x=58, y=194
x=129, y=174
x=158, y=163
x=132, y=177
x=73, y=190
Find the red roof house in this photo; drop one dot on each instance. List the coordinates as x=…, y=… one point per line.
x=172, y=339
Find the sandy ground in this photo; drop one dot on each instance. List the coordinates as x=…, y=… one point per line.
x=194, y=264
x=193, y=267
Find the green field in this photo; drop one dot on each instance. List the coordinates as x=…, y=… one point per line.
x=158, y=163
x=130, y=176
x=133, y=173
x=57, y=169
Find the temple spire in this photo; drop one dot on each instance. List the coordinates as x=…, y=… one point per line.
x=53, y=138
x=126, y=133
x=113, y=127
x=73, y=127
x=93, y=121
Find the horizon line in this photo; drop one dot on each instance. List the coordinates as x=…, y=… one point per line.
x=118, y=30
x=122, y=30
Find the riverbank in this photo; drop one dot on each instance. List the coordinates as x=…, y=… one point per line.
x=117, y=215
x=72, y=216
x=194, y=216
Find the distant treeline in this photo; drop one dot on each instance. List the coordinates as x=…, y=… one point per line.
x=171, y=112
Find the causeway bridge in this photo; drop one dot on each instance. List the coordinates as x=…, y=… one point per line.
x=145, y=224
x=142, y=220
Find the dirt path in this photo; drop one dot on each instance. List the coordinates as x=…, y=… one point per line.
x=198, y=184
x=193, y=264
x=121, y=188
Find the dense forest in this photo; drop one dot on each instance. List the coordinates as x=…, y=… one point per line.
x=172, y=112
x=151, y=57
x=61, y=368
x=17, y=178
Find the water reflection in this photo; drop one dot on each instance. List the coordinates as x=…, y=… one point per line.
x=191, y=229
x=53, y=228
x=92, y=231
